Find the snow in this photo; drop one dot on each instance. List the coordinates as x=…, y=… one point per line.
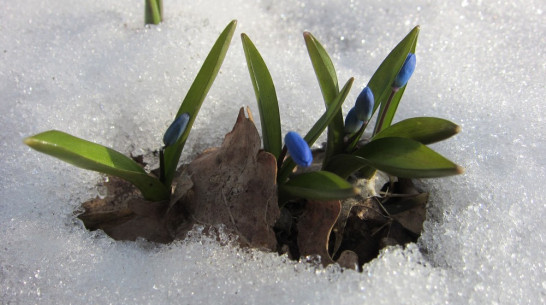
x=92, y=69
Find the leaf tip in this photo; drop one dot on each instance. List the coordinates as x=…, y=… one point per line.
x=308, y=37
x=31, y=141
x=457, y=129
x=459, y=170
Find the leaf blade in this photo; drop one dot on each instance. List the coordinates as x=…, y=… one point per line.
x=266, y=97
x=426, y=130
x=95, y=157
x=196, y=94
x=319, y=185
x=406, y=158
x=328, y=82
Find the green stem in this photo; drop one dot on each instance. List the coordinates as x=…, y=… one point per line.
x=384, y=112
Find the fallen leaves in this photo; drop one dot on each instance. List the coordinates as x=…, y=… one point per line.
x=234, y=186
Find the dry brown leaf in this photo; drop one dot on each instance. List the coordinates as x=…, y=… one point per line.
x=314, y=227
x=414, y=215
x=235, y=185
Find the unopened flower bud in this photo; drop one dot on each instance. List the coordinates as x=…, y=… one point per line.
x=299, y=149
x=364, y=105
x=352, y=123
x=405, y=73
x=177, y=128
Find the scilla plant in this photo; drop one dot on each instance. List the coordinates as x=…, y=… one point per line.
x=399, y=150
x=102, y=159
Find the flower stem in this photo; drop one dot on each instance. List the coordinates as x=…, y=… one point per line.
x=384, y=112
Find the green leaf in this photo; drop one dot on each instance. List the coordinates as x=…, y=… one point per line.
x=406, y=158
x=196, y=94
x=266, y=97
x=320, y=185
x=327, y=78
x=317, y=129
x=426, y=130
x=153, y=11
x=98, y=158
x=381, y=81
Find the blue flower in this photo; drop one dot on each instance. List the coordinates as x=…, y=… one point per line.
x=352, y=123
x=405, y=73
x=364, y=105
x=299, y=149
x=176, y=129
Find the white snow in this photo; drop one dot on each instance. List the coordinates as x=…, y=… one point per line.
x=92, y=69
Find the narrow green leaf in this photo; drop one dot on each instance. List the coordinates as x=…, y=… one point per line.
x=381, y=81
x=426, y=130
x=327, y=78
x=320, y=185
x=98, y=158
x=406, y=158
x=153, y=11
x=196, y=94
x=317, y=129
x=266, y=97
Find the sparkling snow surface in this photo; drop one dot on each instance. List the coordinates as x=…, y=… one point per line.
x=92, y=69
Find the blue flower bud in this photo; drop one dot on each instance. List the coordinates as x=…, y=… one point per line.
x=352, y=123
x=299, y=149
x=176, y=129
x=405, y=73
x=364, y=105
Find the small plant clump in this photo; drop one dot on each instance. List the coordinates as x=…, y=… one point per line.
x=280, y=197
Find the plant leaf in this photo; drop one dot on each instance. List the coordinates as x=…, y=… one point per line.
x=402, y=157
x=381, y=81
x=327, y=79
x=426, y=130
x=314, y=228
x=196, y=94
x=407, y=158
x=153, y=11
x=266, y=97
x=317, y=129
x=319, y=185
x=98, y=158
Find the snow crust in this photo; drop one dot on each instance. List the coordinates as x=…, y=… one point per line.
x=92, y=69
